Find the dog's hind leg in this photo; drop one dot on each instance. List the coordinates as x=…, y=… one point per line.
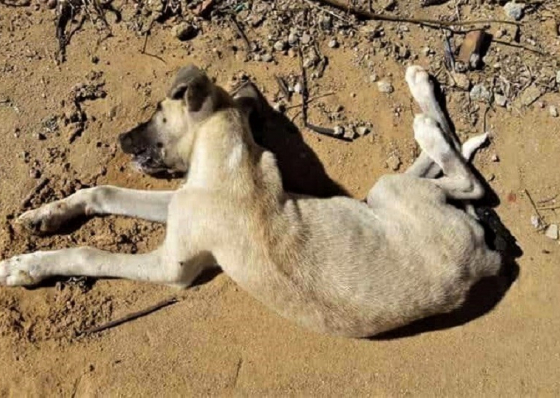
x=102, y=200
x=422, y=90
x=458, y=181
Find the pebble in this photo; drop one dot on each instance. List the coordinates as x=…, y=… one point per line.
x=558, y=77
x=552, y=231
x=266, y=57
x=280, y=45
x=461, y=81
x=385, y=87
x=479, y=93
x=373, y=78
x=184, y=31
x=298, y=88
x=338, y=130
x=514, y=10
x=500, y=100
x=393, y=162
x=495, y=158
x=536, y=222
x=305, y=39
x=51, y=4
x=553, y=111
x=326, y=22
x=362, y=130
x=292, y=39
x=530, y=95
x=333, y=43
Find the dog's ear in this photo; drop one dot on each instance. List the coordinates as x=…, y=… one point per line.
x=193, y=86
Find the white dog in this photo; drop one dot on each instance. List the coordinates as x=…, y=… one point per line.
x=335, y=265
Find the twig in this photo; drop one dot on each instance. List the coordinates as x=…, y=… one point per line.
x=283, y=88
x=328, y=12
x=310, y=100
x=40, y=185
x=533, y=50
x=543, y=201
x=426, y=22
x=534, y=206
x=241, y=33
x=129, y=317
x=549, y=208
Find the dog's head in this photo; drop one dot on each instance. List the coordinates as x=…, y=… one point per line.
x=154, y=145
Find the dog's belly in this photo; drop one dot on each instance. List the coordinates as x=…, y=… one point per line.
x=357, y=272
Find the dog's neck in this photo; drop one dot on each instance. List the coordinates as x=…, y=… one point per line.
x=222, y=150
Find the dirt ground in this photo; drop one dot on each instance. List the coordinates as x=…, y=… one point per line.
x=217, y=340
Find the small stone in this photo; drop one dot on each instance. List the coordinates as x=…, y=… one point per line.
x=266, y=58
x=326, y=22
x=333, y=43
x=385, y=87
x=298, y=88
x=35, y=173
x=280, y=45
x=338, y=130
x=558, y=77
x=305, y=39
x=461, y=81
x=552, y=231
x=426, y=51
x=553, y=111
x=373, y=78
x=51, y=4
x=362, y=130
x=292, y=53
x=292, y=39
x=530, y=95
x=536, y=222
x=95, y=59
x=40, y=136
x=310, y=62
x=349, y=133
x=184, y=31
x=500, y=100
x=514, y=10
x=479, y=93
x=495, y=158
x=393, y=162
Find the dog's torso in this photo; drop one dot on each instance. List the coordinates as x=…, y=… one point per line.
x=334, y=265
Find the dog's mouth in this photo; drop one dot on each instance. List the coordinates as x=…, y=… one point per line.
x=146, y=163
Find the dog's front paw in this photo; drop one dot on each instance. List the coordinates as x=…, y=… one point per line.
x=22, y=270
x=45, y=219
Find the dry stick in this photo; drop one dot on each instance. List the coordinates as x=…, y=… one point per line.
x=40, y=185
x=241, y=33
x=305, y=96
x=534, y=205
x=129, y=317
x=549, y=208
x=283, y=88
x=389, y=18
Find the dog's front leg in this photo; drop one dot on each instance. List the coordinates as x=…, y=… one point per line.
x=102, y=200
x=30, y=269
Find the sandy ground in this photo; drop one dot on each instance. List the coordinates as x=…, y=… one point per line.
x=218, y=340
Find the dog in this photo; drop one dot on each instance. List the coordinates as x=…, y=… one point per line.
x=337, y=265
